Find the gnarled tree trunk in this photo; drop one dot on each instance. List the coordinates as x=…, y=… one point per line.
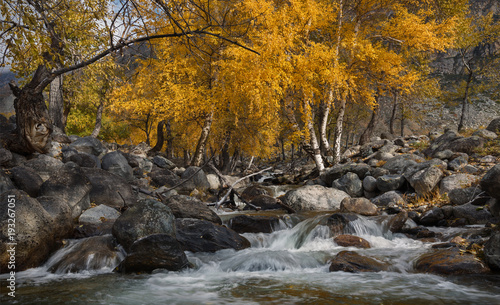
x=160, y=138
x=98, y=119
x=56, y=103
x=202, y=142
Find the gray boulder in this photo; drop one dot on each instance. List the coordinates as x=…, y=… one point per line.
x=98, y=214
x=456, y=181
x=146, y=218
x=5, y=183
x=431, y=217
x=5, y=157
x=61, y=215
x=370, y=184
x=164, y=177
x=426, y=180
x=109, y=189
x=361, y=206
x=197, y=176
x=189, y=207
x=492, y=251
x=336, y=172
x=44, y=165
x=115, y=163
x=398, y=164
x=486, y=134
x=494, y=126
x=253, y=224
x=490, y=183
x=458, y=163
x=472, y=213
x=88, y=145
x=349, y=183
x=163, y=162
x=388, y=183
x=26, y=179
x=461, y=196
x=388, y=199
x=314, y=197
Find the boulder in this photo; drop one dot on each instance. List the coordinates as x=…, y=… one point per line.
x=163, y=162
x=84, y=160
x=412, y=170
x=164, y=177
x=338, y=223
x=398, y=164
x=347, y=240
x=44, y=165
x=461, y=196
x=388, y=199
x=426, y=180
x=314, y=197
x=115, y=163
x=83, y=255
x=253, y=191
x=5, y=157
x=147, y=217
x=34, y=236
x=336, y=172
x=456, y=181
x=492, y=251
x=489, y=159
x=99, y=214
x=198, y=235
x=360, y=206
x=450, y=262
x=189, y=207
x=253, y=224
x=265, y=202
x=5, y=183
x=494, y=126
x=71, y=185
x=458, y=163
x=27, y=180
x=472, y=213
x=214, y=182
x=61, y=215
x=490, y=183
x=398, y=221
x=494, y=207
x=370, y=184
x=485, y=134
x=349, y=261
x=88, y=145
x=388, y=183
x=156, y=251
x=109, y=189
x=197, y=176
x=349, y=183
x=431, y=217
x=444, y=154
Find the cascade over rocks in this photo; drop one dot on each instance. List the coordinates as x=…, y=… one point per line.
x=253, y=224
x=339, y=223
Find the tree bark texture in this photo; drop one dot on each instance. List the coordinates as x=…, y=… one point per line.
x=465, y=105
x=202, y=142
x=338, y=131
x=56, y=103
x=368, y=132
x=98, y=120
x=313, y=147
x=160, y=137
x=324, y=108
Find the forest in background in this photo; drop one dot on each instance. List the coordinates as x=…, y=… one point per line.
x=251, y=77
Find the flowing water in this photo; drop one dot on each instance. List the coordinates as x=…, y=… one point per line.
x=288, y=266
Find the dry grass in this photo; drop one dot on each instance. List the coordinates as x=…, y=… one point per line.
x=433, y=199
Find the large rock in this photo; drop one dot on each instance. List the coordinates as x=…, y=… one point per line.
x=349, y=261
x=360, y=206
x=163, y=177
x=431, y=217
x=253, y=191
x=398, y=221
x=398, y=164
x=370, y=184
x=314, y=197
x=71, y=185
x=197, y=235
x=461, y=196
x=490, y=183
x=188, y=207
x=349, y=183
x=339, y=223
x=348, y=240
x=253, y=224
x=88, y=145
x=5, y=183
x=388, y=199
x=109, y=189
x=5, y=157
x=472, y=213
x=44, y=165
x=33, y=238
x=336, y=172
x=494, y=126
x=456, y=181
x=83, y=159
x=27, y=180
x=82, y=255
x=198, y=178
x=115, y=163
x=450, y=262
x=163, y=162
x=458, y=163
x=426, y=180
x=61, y=214
x=264, y=202
x=451, y=141
x=157, y=251
x=492, y=251
x=99, y=214
x=388, y=183
x=146, y=218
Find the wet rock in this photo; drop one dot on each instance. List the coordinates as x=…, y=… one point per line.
x=61, y=215
x=397, y=222
x=147, y=217
x=336, y=172
x=456, y=181
x=197, y=235
x=387, y=199
x=314, y=197
x=461, y=196
x=347, y=240
x=491, y=181
x=98, y=214
x=349, y=261
x=388, y=183
x=71, y=185
x=424, y=181
x=27, y=180
x=339, y=223
x=109, y=189
x=360, y=206
x=492, y=251
x=253, y=224
x=431, y=217
x=253, y=191
x=188, y=207
x=88, y=145
x=94, y=253
x=34, y=236
x=157, y=251
x=450, y=262
x=349, y=183
x=370, y=184
x=115, y=163
x=265, y=202
x=494, y=126
x=197, y=178
x=163, y=162
x=473, y=214
x=44, y=165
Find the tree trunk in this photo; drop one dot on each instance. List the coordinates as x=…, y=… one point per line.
x=170, y=140
x=393, y=114
x=225, y=158
x=465, y=105
x=313, y=147
x=338, y=131
x=98, y=119
x=368, y=132
x=56, y=103
x=202, y=142
x=160, y=137
x=325, y=107
x=403, y=120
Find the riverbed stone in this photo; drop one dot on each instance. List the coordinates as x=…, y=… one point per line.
x=115, y=163
x=426, y=180
x=472, y=213
x=183, y=206
x=109, y=189
x=71, y=185
x=253, y=191
x=264, y=202
x=197, y=178
x=314, y=197
x=461, y=196
x=456, y=181
x=198, y=235
x=253, y=223
x=44, y=165
x=147, y=217
x=156, y=251
x=494, y=126
x=61, y=215
x=431, y=217
x=26, y=179
x=338, y=223
x=361, y=206
x=99, y=214
x=336, y=172
x=388, y=183
x=349, y=183
x=88, y=145
x=492, y=251
x=370, y=184
x=450, y=262
x=347, y=240
x=490, y=182
x=350, y=261
x=33, y=231
x=388, y=199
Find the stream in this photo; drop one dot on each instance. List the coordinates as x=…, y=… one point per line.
x=287, y=266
